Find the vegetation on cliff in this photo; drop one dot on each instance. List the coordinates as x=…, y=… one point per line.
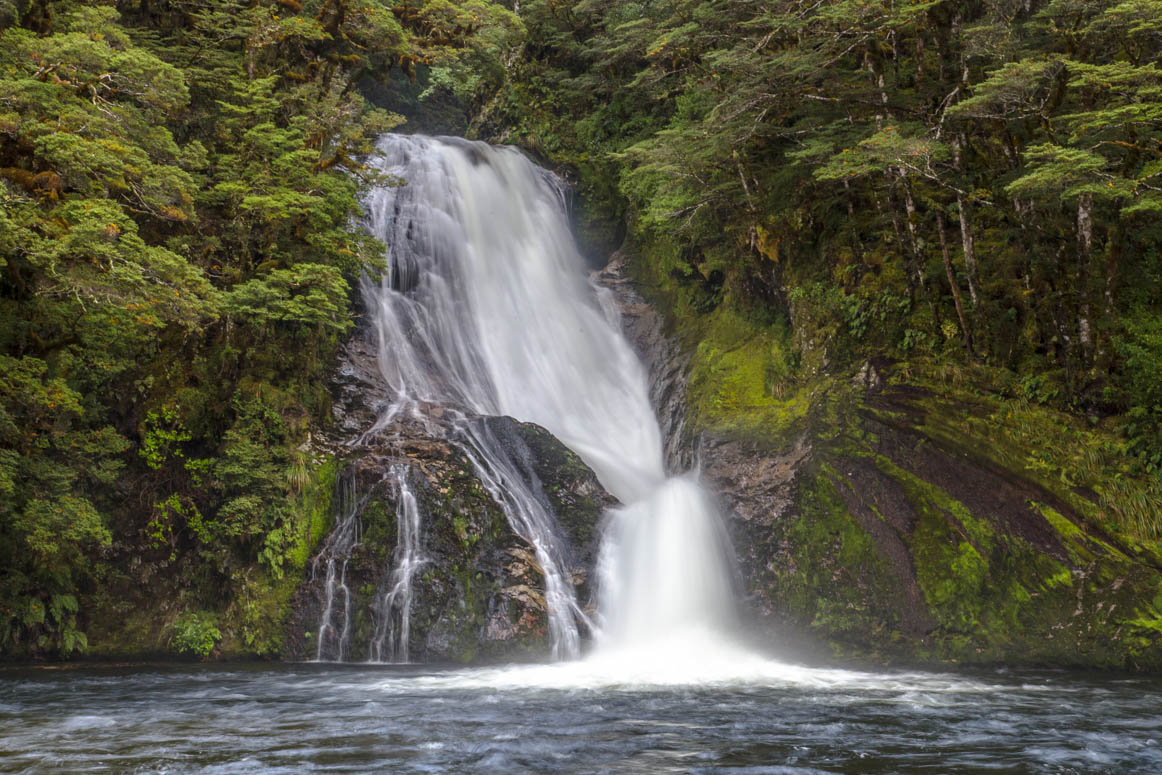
x=177, y=240
x=964, y=193
x=955, y=201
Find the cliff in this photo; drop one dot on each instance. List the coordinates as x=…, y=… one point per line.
x=478, y=593
x=896, y=512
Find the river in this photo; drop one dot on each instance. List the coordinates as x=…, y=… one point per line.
x=310, y=718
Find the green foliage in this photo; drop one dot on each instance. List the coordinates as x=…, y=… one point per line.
x=179, y=194
x=49, y=457
x=196, y=633
x=976, y=183
x=895, y=149
x=307, y=297
x=1141, y=351
x=163, y=432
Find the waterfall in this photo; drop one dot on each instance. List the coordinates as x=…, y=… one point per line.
x=486, y=310
x=393, y=607
x=334, y=632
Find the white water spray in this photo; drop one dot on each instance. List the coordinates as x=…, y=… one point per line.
x=334, y=633
x=486, y=310
x=393, y=609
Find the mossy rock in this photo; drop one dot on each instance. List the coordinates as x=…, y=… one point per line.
x=897, y=543
x=479, y=595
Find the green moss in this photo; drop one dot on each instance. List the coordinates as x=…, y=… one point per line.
x=1062, y=577
x=833, y=580
x=1063, y=526
x=460, y=525
x=741, y=380
x=254, y=625
x=978, y=584
x=1144, y=635
x=1085, y=466
x=378, y=520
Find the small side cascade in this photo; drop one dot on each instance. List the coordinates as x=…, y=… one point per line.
x=519, y=493
x=392, y=610
x=344, y=569
x=335, y=622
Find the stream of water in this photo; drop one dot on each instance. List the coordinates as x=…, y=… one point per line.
x=230, y=720
x=486, y=310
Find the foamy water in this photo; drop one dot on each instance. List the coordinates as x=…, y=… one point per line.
x=487, y=310
x=584, y=717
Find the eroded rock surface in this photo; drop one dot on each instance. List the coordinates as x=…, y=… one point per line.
x=874, y=531
x=479, y=592
x=665, y=361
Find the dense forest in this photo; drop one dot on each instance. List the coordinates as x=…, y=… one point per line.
x=178, y=244
x=966, y=193
x=973, y=181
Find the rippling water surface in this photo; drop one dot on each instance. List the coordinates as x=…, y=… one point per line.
x=571, y=719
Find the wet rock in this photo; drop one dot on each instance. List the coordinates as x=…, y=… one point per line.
x=479, y=592
x=359, y=395
x=666, y=363
x=875, y=530
x=869, y=377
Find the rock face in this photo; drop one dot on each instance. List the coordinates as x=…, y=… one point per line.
x=478, y=592
x=665, y=361
x=889, y=525
x=892, y=540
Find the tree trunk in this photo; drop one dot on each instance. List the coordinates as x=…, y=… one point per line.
x=1113, y=260
x=952, y=281
x=966, y=239
x=856, y=247
x=1084, y=259
x=910, y=222
x=877, y=77
x=969, y=246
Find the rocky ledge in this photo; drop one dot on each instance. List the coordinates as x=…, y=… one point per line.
x=478, y=593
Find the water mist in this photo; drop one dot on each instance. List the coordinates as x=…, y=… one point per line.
x=486, y=310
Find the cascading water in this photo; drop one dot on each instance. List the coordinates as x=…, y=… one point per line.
x=531, y=518
x=393, y=607
x=486, y=310
x=334, y=632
